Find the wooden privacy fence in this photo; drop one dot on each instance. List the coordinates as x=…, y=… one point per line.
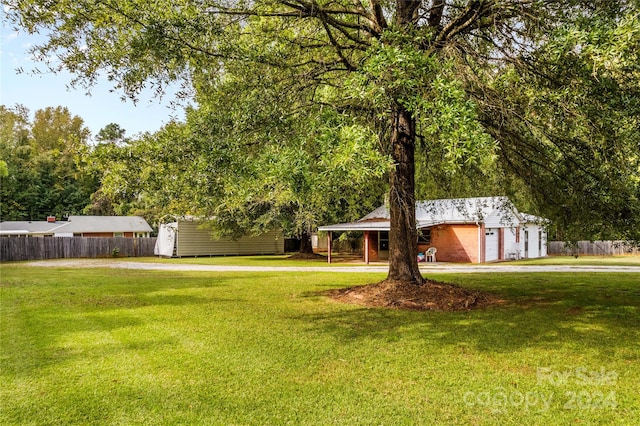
x=39, y=248
x=593, y=248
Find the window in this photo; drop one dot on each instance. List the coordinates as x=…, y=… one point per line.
x=383, y=241
x=540, y=242
x=118, y=234
x=424, y=236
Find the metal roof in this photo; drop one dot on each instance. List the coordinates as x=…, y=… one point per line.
x=456, y=210
x=439, y=212
x=382, y=225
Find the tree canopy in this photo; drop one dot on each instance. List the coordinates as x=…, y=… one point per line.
x=44, y=160
x=329, y=169
x=549, y=88
x=111, y=133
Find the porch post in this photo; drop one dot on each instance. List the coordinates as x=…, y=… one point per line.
x=483, y=244
x=366, y=247
x=329, y=247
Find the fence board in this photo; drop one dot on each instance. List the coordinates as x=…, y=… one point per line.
x=39, y=248
x=593, y=248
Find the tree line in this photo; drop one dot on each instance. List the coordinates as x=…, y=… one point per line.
x=43, y=164
x=50, y=167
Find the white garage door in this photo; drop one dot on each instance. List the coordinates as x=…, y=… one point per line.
x=491, y=244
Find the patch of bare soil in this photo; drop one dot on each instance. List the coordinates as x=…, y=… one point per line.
x=334, y=259
x=431, y=296
x=307, y=256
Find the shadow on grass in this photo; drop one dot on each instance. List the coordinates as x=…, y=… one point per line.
x=92, y=316
x=598, y=311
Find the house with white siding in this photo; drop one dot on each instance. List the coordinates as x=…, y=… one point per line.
x=470, y=230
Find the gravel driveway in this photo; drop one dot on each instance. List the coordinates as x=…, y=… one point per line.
x=438, y=267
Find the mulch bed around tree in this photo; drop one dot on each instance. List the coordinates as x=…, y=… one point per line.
x=335, y=259
x=306, y=256
x=431, y=296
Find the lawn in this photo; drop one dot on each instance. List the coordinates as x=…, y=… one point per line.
x=582, y=260
x=270, y=260
x=283, y=260
x=139, y=347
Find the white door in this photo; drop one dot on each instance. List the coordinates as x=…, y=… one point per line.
x=491, y=245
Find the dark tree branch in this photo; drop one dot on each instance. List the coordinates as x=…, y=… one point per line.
x=435, y=14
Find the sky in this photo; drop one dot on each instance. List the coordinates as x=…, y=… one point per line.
x=51, y=90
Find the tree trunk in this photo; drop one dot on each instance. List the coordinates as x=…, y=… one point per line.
x=403, y=236
x=305, y=244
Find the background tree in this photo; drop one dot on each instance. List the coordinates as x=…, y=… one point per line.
x=110, y=148
x=14, y=151
x=127, y=173
x=448, y=70
x=570, y=124
x=111, y=133
x=44, y=164
x=290, y=161
x=327, y=169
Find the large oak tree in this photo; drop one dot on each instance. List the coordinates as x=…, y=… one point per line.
x=469, y=76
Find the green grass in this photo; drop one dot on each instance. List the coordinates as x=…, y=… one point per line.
x=283, y=260
x=136, y=347
x=581, y=261
x=271, y=260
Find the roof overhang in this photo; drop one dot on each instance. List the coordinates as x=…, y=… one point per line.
x=463, y=211
x=357, y=226
x=15, y=232
x=382, y=225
